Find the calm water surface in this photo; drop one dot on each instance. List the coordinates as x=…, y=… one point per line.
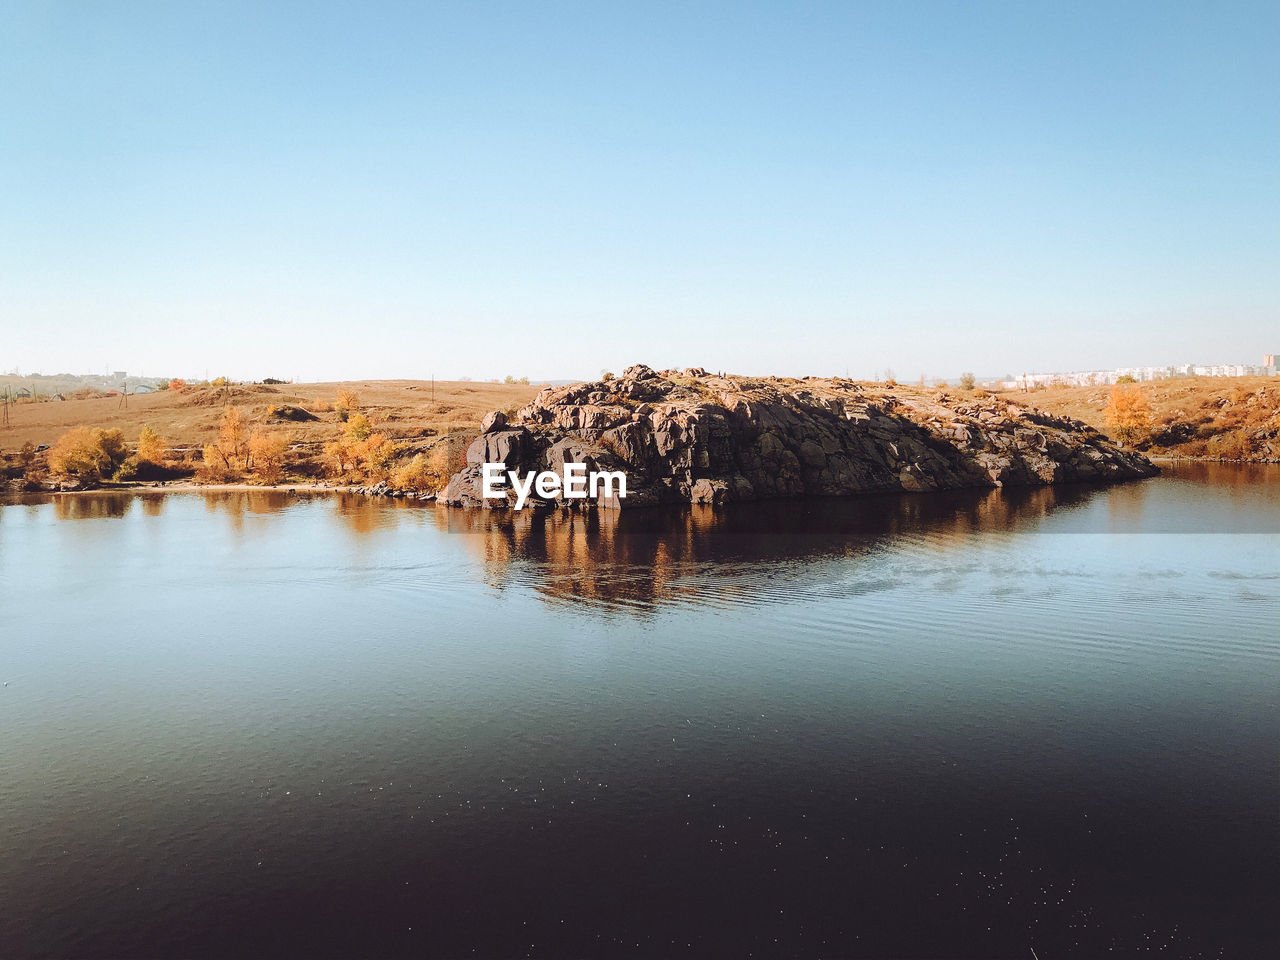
x=960, y=725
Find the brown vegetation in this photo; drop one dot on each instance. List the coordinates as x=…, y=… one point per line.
x=267, y=456
x=88, y=454
x=1128, y=413
x=1218, y=418
x=186, y=430
x=152, y=448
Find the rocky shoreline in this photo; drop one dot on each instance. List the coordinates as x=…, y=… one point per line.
x=687, y=436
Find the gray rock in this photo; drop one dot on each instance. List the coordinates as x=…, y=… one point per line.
x=495, y=420
x=742, y=438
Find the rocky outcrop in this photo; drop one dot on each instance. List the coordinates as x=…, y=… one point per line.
x=689, y=436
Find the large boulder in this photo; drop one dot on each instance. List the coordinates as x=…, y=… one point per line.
x=507, y=447
x=492, y=421
x=686, y=436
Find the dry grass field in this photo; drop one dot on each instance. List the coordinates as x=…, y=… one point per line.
x=1227, y=418
x=1212, y=417
x=189, y=419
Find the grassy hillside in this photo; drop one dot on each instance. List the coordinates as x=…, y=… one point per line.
x=189, y=419
x=1230, y=418
x=1227, y=418
x=303, y=415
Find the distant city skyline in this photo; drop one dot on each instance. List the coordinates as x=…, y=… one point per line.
x=1101, y=375
x=332, y=192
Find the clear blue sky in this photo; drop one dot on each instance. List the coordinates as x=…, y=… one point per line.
x=394, y=189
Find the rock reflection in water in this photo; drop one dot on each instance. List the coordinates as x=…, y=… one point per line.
x=640, y=559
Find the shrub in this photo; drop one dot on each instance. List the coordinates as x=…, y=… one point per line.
x=88, y=453
x=967, y=381
x=1125, y=378
x=360, y=453
x=1128, y=413
x=1234, y=445
x=358, y=427
x=347, y=403
x=152, y=448
x=418, y=475
x=374, y=455
x=177, y=384
x=232, y=447
x=128, y=470
x=267, y=452
x=213, y=466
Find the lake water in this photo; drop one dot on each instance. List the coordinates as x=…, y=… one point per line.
x=977, y=724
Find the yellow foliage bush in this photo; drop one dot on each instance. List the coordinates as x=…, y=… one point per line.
x=152, y=448
x=88, y=453
x=214, y=468
x=347, y=403
x=232, y=447
x=418, y=475
x=358, y=427
x=361, y=456
x=267, y=453
x=1129, y=413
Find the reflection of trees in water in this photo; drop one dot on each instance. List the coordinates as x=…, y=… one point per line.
x=359, y=514
x=1255, y=476
x=92, y=506
x=642, y=558
x=238, y=503
x=363, y=515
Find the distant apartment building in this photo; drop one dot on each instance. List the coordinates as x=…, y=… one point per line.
x=1090, y=378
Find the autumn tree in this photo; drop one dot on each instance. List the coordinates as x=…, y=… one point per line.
x=374, y=456
x=267, y=452
x=358, y=427
x=346, y=403
x=177, y=384
x=360, y=452
x=152, y=448
x=1128, y=413
x=422, y=474
x=233, y=438
x=88, y=453
x=213, y=465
